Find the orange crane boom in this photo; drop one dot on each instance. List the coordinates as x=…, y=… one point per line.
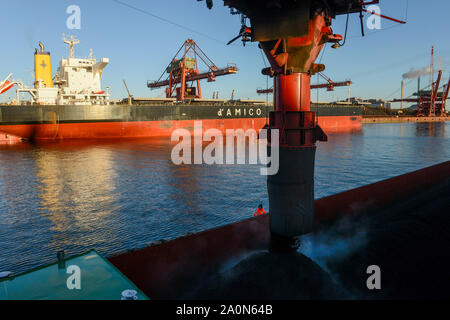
x=184, y=70
x=330, y=86
x=205, y=75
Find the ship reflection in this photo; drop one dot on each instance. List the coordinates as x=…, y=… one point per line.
x=76, y=192
x=430, y=129
x=93, y=191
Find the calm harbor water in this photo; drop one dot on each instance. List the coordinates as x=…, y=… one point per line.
x=116, y=195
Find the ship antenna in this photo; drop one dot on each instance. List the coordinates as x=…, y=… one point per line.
x=72, y=42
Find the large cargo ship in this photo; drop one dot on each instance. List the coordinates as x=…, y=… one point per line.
x=158, y=120
x=72, y=105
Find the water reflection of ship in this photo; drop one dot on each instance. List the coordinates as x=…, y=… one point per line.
x=76, y=196
x=430, y=129
x=90, y=188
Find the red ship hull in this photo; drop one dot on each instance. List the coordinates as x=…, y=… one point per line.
x=141, y=121
x=142, y=129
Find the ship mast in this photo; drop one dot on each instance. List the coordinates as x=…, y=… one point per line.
x=72, y=42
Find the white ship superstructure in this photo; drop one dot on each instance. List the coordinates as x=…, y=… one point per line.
x=76, y=82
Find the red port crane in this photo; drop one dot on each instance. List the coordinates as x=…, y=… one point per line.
x=431, y=103
x=182, y=73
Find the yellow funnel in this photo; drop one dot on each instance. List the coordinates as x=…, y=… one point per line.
x=43, y=67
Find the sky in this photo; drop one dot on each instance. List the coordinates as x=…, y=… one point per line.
x=141, y=41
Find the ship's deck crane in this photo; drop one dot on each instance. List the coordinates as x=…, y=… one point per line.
x=182, y=73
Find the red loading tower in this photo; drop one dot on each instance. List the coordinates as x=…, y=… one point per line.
x=291, y=190
x=291, y=33
x=182, y=73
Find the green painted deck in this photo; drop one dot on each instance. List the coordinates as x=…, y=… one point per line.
x=99, y=280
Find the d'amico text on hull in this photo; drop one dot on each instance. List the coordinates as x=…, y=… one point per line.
x=57, y=122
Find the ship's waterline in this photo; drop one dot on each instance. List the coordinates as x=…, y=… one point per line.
x=137, y=121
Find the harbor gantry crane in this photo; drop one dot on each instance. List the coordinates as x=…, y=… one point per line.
x=181, y=75
x=430, y=103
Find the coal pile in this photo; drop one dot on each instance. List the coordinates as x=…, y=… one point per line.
x=266, y=275
x=410, y=242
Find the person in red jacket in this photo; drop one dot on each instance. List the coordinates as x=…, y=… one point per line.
x=259, y=211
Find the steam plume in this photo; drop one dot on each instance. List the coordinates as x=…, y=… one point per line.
x=414, y=73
